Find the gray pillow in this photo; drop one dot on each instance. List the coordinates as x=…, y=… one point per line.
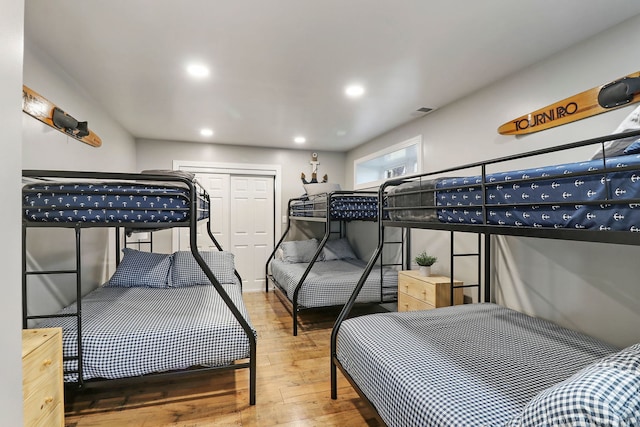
x=604, y=394
x=141, y=269
x=338, y=249
x=299, y=250
x=185, y=271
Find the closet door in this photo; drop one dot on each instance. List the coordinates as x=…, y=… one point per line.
x=217, y=185
x=252, y=226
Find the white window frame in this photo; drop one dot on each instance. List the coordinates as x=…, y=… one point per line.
x=416, y=140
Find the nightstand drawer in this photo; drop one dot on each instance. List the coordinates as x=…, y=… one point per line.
x=408, y=303
x=42, y=387
x=419, y=289
x=432, y=290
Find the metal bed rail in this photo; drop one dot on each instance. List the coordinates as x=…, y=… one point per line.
x=630, y=237
x=196, y=213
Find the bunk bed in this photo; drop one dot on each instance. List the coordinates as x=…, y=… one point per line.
x=484, y=364
x=159, y=314
x=322, y=273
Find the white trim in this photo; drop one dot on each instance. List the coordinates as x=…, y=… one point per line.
x=416, y=140
x=240, y=169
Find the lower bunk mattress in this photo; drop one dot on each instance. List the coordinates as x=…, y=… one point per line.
x=331, y=283
x=466, y=365
x=573, y=195
x=128, y=332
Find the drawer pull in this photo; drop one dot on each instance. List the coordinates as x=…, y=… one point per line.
x=47, y=401
x=47, y=362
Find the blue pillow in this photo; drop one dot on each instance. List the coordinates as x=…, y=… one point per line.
x=185, y=271
x=604, y=394
x=633, y=148
x=299, y=250
x=338, y=249
x=141, y=269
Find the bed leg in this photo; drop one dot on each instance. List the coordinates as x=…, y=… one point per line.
x=334, y=381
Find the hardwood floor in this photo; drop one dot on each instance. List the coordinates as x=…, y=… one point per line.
x=292, y=385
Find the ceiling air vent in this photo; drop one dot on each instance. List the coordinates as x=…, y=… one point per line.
x=421, y=111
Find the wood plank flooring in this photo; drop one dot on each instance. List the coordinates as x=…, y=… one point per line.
x=292, y=385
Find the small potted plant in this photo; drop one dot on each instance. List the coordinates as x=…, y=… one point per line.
x=425, y=261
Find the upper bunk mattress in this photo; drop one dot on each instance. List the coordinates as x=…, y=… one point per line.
x=134, y=331
x=466, y=365
x=574, y=195
x=340, y=207
x=109, y=203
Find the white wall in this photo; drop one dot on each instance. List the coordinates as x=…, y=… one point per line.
x=156, y=154
x=11, y=48
x=46, y=148
x=591, y=287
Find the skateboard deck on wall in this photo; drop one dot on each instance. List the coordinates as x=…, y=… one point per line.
x=594, y=101
x=44, y=110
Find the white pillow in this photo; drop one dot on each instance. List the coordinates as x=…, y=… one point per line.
x=299, y=250
x=338, y=249
x=320, y=188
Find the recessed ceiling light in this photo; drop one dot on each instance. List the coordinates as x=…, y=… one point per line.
x=354, y=91
x=198, y=70
x=299, y=139
x=206, y=132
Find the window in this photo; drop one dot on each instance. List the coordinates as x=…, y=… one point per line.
x=398, y=160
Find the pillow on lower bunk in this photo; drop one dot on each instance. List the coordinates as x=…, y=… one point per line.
x=338, y=249
x=605, y=393
x=141, y=269
x=185, y=271
x=299, y=250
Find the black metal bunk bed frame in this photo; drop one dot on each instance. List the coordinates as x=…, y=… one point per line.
x=312, y=215
x=195, y=192
x=486, y=230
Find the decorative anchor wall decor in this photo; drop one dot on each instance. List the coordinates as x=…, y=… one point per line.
x=314, y=171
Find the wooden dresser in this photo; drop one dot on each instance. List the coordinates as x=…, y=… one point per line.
x=417, y=292
x=42, y=383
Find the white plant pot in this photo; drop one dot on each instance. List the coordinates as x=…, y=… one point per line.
x=425, y=270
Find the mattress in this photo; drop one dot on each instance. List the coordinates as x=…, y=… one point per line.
x=571, y=195
x=413, y=201
x=109, y=203
x=466, y=365
x=134, y=331
x=342, y=207
x=332, y=282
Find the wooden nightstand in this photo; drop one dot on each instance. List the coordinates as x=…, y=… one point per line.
x=42, y=384
x=416, y=292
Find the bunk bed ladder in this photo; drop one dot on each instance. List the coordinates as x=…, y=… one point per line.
x=454, y=255
x=389, y=294
x=77, y=314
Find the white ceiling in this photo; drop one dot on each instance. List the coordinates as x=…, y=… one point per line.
x=279, y=67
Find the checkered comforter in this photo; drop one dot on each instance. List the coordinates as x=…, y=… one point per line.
x=135, y=331
x=468, y=365
x=332, y=282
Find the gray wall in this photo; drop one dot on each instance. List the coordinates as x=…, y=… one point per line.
x=46, y=148
x=591, y=287
x=11, y=48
